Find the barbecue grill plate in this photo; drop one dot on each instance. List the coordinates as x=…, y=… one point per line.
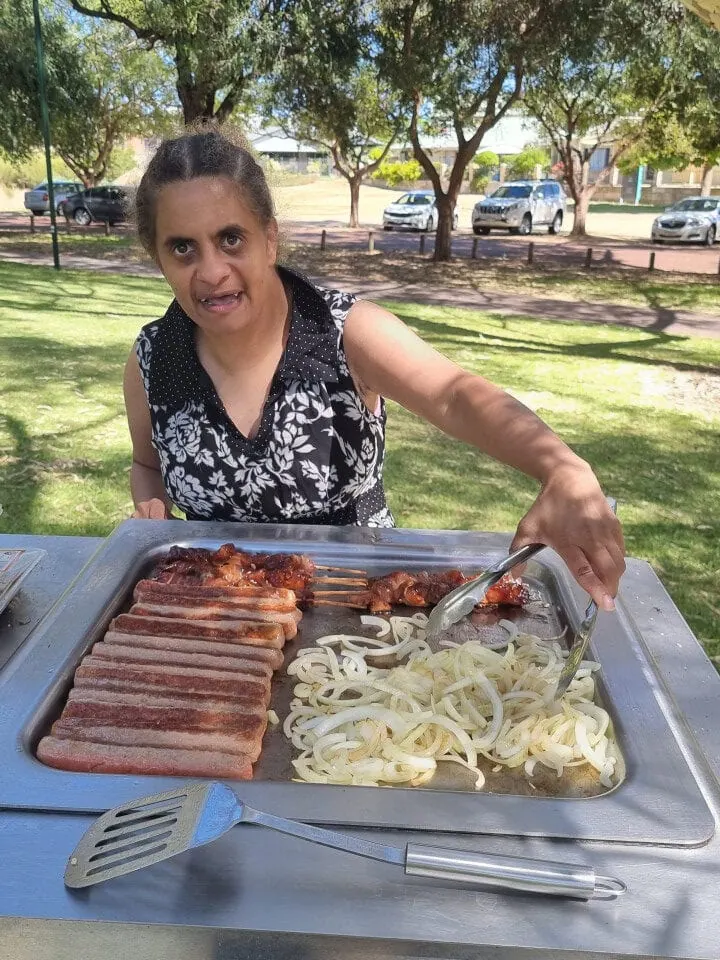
x=657, y=800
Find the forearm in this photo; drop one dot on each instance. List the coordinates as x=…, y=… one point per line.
x=483, y=415
x=146, y=483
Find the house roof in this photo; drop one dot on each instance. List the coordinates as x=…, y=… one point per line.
x=273, y=140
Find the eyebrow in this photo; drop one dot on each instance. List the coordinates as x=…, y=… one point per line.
x=228, y=228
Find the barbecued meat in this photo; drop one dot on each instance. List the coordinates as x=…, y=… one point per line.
x=180, y=685
x=227, y=565
x=426, y=589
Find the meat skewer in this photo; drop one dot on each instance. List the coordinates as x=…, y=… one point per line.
x=418, y=590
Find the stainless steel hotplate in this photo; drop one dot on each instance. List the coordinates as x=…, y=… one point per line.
x=656, y=801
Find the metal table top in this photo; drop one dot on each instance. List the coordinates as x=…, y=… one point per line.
x=258, y=895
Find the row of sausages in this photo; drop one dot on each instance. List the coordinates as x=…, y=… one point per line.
x=178, y=686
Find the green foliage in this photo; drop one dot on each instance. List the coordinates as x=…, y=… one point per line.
x=25, y=174
x=122, y=161
x=486, y=162
x=620, y=57
x=68, y=85
x=132, y=96
x=479, y=183
x=220, y=48
x=524, y=164
x=685, y=130
x=406, y=171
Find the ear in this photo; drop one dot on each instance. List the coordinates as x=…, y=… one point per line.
x=272, y=236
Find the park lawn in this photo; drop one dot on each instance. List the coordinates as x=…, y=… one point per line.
x=641, y=406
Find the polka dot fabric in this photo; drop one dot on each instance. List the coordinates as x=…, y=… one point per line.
x=318, y=455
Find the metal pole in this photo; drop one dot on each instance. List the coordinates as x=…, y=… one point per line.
x=45, y=120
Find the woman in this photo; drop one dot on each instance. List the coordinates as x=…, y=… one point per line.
x=259, y=397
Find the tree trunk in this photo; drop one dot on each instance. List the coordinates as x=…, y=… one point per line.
x=443, y=235
x=707, y=178
x=582, y=205
x=354, y=200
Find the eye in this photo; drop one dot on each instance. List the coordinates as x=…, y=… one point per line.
x=231, y=240
x=181, y=248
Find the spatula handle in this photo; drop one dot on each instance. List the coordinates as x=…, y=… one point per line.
x=510, y=873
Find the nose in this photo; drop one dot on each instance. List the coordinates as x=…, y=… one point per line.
x=212, y=268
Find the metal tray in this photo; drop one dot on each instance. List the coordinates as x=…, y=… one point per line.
x=15, y=565
x=657, y=801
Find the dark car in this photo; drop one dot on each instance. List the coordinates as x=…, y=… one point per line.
x=102, y=204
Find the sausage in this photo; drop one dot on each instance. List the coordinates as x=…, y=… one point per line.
x=273, y=658
x=163, y=699
x=237, y=631
x=116, y=651
x=85, y=757
x=173, y=739
x=180, y=678
x=155, y=591
x=216, y=613
x=118, y=682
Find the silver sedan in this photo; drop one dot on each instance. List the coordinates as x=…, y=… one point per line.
x=693, y=220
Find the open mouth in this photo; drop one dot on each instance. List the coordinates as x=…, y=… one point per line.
x=221, y=302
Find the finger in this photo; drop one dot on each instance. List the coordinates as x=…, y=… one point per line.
x=582, y=569
x=157, y=510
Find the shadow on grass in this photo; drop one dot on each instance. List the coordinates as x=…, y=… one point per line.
x=448, y=336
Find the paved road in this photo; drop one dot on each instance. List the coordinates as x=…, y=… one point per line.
x=556, y=250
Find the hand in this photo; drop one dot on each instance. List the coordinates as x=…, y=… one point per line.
x=154, y=509
x=572, y=516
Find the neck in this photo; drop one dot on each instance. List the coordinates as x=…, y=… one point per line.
x=247, y=348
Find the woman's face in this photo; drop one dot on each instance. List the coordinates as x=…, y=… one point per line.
x=214, y=252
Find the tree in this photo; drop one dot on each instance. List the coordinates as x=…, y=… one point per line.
x=460, y=65
x=687, y=131
x=220, y=48
x=356, y=118
x=524, y=165
x=615, y=73
x=67, y=80
x=132, y=95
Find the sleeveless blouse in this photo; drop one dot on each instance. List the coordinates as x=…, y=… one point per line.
x=318, y=454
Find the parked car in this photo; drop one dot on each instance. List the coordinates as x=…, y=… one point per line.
x=415, y=210
x=110, y=204
x=521, y=205
x=37, y=200
x=693, y=220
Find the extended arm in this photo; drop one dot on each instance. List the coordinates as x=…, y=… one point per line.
x=570, y=513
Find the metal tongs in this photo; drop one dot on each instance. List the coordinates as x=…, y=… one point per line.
x=463, y=600
x=146, y=831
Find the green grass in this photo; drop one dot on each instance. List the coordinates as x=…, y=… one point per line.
x=642, y=407
x=601, y=207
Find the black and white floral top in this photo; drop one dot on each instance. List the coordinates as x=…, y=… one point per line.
x=318, y=455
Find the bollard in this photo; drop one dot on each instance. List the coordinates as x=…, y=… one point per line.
x=107, y=227
x=588, y=257
x=32, y=223
x=719, y=268
x=531, y=252
x=323, y=236
x=371, y=241
x=422, y=244
x=473, y=255
x=651, y=264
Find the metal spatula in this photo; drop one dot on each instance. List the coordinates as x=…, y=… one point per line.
x=155, y=828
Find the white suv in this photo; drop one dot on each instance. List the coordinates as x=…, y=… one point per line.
x=520, y=205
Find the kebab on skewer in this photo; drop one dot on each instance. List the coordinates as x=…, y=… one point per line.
x=234, y=573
